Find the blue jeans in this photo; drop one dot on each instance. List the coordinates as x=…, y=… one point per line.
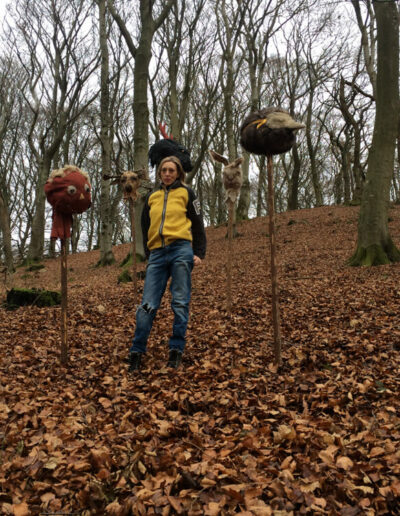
x=175, y=260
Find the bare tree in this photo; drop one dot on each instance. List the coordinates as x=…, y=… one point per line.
x=321, y=68
x=185, y=42
x=260, y=21
x=374, y=244
x=366, y=25
x=141, y=53
x=106, y=226
x=8, y=102
x=53, y=46
x=355, y=120
x=288, y=89
x=6, y=234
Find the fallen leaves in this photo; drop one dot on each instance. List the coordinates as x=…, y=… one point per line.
x=344, y=462
x=21, y=509
x=228, y=432
x=284, y=433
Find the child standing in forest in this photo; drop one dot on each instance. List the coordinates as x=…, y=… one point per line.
x=175, y=241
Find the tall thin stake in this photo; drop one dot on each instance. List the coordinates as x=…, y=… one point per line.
x=133, y=249
x=64, y=303
x=274, y=282
x=229, y=261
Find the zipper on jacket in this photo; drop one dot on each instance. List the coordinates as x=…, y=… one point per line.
x=163, y=217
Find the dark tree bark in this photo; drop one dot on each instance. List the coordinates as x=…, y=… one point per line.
x=6, y=233
x=293, y=200
x=374, y=245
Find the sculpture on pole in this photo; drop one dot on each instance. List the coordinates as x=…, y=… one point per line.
x=268, y=132
x=232, y=180
x=68, y=191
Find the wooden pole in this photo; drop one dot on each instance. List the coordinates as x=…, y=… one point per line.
x=274, y=282
x=133, y=249
x=229, y=261
x=64, y=303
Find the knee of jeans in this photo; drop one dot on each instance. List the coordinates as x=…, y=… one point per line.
x=180, y=304
x=148, y=309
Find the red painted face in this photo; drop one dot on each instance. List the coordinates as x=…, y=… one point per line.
x=69, y=194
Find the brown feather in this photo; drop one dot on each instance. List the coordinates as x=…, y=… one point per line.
x=269, y=131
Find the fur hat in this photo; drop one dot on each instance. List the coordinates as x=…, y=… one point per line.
x=169, y=147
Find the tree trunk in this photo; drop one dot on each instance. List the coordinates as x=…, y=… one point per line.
x=355, y=125
x=6, y=232
x=397, y=167
x=293, y=201
x=367, y=41
x=36, y=245
x=315, y=178
x=140, y=83
x=52, y=248
x=261, y=186
x=75, y=234
x=142, y=56
x=374, y=245
x=217, y=208
x=106, y=254
x=346, y=175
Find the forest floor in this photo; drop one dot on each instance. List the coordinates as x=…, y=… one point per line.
x=226, y=433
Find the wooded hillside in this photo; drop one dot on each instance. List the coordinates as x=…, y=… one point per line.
x=225, y=433
x=87, y=83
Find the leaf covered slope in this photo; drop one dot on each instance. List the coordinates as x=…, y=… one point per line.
x=225, y=433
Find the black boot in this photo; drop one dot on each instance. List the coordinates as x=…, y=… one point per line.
x=135, y=360
x=174, y=359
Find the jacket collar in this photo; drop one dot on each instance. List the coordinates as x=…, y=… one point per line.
x=175, y=184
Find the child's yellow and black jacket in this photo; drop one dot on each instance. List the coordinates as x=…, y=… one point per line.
x=173, y=213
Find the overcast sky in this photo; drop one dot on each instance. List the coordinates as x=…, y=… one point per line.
x=2, y=10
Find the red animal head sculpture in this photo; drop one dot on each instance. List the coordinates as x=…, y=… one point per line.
x=68, y=191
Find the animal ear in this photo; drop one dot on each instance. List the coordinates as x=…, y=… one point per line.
x=141, y=173
x=116, y=178
x=217, y=157
x=237, y=162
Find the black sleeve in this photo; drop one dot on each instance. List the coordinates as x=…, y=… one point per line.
x=198, y=232
x=145, y=223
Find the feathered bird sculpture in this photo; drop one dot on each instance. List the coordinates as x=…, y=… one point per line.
x=169, y=147
x=269, y=131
